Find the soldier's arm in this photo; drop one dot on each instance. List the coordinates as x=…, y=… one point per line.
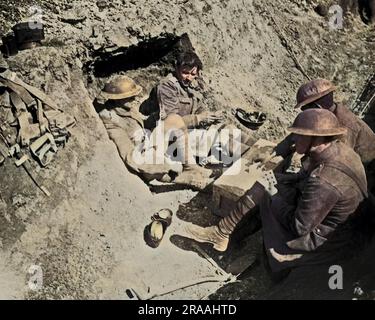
x=167, y=95
x=365, y=143
x=285, y=147
x=191, y=120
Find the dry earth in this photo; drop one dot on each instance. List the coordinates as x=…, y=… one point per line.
x=88, y=236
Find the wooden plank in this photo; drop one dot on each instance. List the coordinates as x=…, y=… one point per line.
x=233, y=184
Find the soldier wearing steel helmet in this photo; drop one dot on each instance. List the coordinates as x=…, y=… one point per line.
x=312, y=221
x=318, y=224
x=360, y=137
x=115, y=105
x=318, y=93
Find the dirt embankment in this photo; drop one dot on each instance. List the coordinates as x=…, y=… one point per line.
x=88, y=235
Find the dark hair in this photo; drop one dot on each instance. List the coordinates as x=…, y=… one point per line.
x=189, y=59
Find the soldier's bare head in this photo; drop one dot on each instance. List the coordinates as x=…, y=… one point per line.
x=188, y=66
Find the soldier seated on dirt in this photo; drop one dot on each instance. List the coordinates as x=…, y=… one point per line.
x=312, y=217
x=176, y=113
x=121, y=119
x=177, y=106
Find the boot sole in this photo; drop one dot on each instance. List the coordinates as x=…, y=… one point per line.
x=215, y=246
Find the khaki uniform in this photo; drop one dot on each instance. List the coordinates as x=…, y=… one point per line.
x=124, y=126
x=174, y=99
x=322, y=218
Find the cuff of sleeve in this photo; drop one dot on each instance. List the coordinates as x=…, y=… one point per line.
x=191, y=120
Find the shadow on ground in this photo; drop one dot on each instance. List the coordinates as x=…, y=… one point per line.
x=243, y=257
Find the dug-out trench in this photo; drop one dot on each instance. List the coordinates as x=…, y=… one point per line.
x=161, y=50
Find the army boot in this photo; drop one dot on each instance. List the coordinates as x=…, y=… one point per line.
x=219, y=235
x=211, y=235
x=195, y=176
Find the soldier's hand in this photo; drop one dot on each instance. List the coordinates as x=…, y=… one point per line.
x=209, y=117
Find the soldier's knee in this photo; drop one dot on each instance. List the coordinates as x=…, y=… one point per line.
x=174, y=121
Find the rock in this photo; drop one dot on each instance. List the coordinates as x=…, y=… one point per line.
x=96, y=31
x=18, y=200
x=3, y=206
x=102, y=4
x=74, y=17
x=321, y=10
x=79, y=63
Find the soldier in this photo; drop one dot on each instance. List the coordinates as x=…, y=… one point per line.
x=121, y=120
x=304, y=221
x=175, y=95
x=317, y=224
x=318, y=93
x=177, y=106
x=360, y=137
x=176, y=111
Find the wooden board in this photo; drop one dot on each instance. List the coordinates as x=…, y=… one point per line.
x=239, y=178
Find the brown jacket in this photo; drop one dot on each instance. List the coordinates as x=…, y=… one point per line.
x=329, y=200
x=173, y=98
x=360, y=137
